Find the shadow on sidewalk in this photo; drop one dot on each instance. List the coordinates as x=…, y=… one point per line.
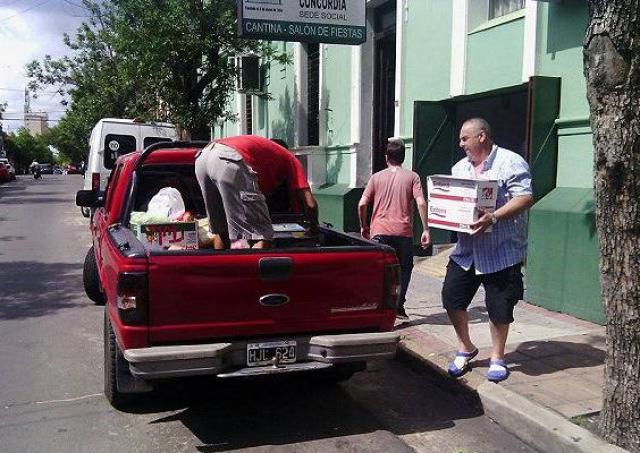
x=537, y=358
x=477, y=315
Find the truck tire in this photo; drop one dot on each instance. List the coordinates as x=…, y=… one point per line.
x=91, y=279
x=114, y=363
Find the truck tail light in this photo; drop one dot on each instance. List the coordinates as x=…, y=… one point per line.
x=95, y=181
x=132, y=298
x=392, y=286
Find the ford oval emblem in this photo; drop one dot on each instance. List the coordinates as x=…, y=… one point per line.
x=274, y=300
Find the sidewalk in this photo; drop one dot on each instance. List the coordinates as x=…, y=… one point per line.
x=556, y=362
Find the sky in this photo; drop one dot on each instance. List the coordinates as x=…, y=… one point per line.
x=29, y=30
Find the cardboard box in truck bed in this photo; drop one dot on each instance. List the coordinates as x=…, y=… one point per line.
x=455, y=203
x=161, y=236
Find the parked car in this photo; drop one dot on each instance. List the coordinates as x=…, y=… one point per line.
x=73, y=170
x=10, y=168
x=57, y=171
x=4, y=173
x=309, y=304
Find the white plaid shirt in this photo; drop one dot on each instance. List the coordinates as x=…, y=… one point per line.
x=506, y=244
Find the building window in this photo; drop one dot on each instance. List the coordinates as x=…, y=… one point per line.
x=313, y=94
x=499, y=8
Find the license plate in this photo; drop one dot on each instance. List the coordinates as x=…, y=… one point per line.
x=259, y=354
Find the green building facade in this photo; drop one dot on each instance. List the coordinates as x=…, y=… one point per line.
x=428, y=65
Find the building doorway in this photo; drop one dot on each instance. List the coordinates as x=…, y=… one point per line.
x=522, y=118
x=384, y=80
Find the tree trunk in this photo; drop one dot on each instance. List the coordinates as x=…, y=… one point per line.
x=611, y=67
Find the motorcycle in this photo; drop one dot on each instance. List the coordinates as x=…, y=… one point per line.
x=37, y=174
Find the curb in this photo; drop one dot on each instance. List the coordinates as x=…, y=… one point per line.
x=535, y=425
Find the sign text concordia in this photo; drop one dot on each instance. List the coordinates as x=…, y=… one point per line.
x=329, y=21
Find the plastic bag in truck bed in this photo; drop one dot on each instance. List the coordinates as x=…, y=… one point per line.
x=165, y=224
x=167, y=202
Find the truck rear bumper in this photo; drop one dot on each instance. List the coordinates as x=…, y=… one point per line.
x=230, y=359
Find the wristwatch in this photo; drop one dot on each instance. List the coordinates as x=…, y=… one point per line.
x=494, y=219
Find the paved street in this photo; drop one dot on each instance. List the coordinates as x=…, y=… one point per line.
x=51, y=370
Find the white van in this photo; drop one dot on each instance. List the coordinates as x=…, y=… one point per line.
x=113, y=137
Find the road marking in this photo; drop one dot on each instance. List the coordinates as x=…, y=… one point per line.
x=67, y=400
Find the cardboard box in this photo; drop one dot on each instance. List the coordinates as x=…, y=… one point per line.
x=161, y=236
x=454, y=202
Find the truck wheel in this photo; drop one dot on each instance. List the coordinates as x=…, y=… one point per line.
x=85, y=212
x=91, y=279
x=114, y=363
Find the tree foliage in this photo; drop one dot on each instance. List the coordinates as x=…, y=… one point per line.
x=611, y=67
x=159, y=60
x=25, y=148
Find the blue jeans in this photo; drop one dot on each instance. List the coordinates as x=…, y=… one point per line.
x=404, y=251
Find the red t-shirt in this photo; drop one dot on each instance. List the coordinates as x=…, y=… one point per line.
x=273, y=163
x=392, y=191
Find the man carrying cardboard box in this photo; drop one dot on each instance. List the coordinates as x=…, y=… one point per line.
x=493, y=259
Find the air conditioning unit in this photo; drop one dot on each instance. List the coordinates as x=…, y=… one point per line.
x=249, y=74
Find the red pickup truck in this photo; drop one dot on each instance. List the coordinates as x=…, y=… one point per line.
x=327, y=304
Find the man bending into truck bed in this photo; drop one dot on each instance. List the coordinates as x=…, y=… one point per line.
x=235, y=174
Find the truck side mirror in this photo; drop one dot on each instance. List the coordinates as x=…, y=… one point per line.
x=89, y=199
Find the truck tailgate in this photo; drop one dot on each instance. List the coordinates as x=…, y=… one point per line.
x=199, y=297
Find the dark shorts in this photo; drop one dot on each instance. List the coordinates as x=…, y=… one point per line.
x=503, y=290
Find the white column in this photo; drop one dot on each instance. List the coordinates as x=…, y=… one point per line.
x=459, y=25
x=530, y=40
x=363, y=69
x=301, y=95
x=241, y=106
x=323, y=114
x=356, y=87
x=402, y=8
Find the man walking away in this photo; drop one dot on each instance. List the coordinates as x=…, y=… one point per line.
x=392, y=192
x=493, y=259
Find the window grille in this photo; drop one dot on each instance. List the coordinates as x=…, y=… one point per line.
x=313, y=94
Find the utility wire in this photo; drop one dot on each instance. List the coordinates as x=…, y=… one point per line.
x=24, y=11
x=76, y=5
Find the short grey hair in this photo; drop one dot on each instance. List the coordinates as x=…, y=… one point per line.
x=481, y=124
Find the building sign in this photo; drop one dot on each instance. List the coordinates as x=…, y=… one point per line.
x=329, y=21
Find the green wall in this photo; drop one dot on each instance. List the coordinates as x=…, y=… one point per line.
x=561, y=30
x=494, y=56
x=229, y=127
x=337, y=93
x=335, y=199
x=575, y=157
x=280, y=112
x=339, y=165
x=562, y=265
x=426, y=56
